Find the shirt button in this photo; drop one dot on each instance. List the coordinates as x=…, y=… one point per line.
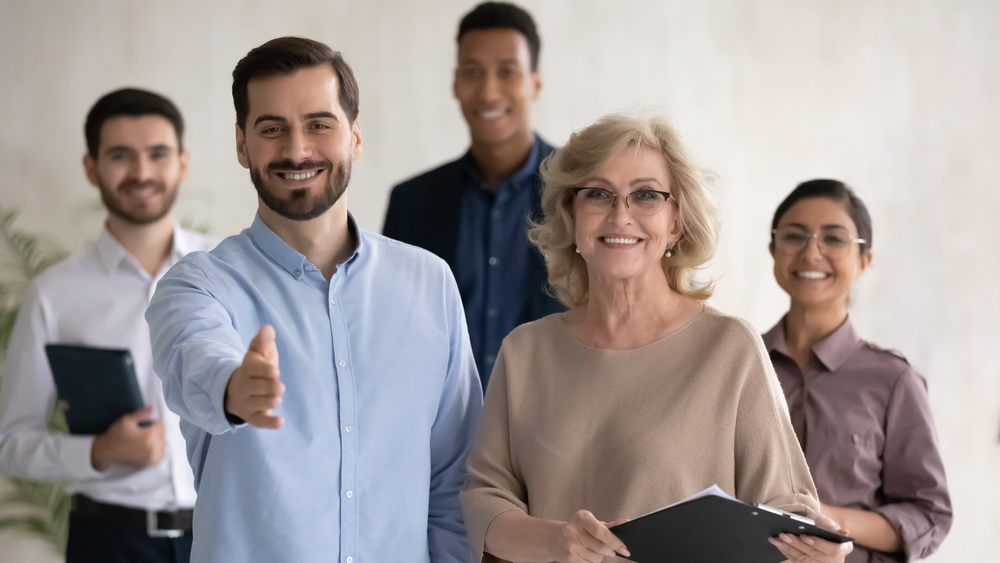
x=855, y=438
x=343, y=364
x=490, y=359
x=350, y=494
x=350, y=560
x=297, y=273
x=347, y=428
x=496, y=213
x=494, y=260
x=332, y=302
x=491, y=313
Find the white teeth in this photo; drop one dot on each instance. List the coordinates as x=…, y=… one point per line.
x=303, y=176
x=492, y=114
x=812, y=275
x=617, y=240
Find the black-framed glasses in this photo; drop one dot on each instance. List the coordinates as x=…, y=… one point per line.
x=639, y=202
x=833, y=242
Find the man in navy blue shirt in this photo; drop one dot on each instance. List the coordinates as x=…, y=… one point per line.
x=474, y=212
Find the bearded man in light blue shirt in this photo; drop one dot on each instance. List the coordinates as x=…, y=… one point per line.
x=323, y=373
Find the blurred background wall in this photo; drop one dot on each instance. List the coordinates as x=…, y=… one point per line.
x=899, y=98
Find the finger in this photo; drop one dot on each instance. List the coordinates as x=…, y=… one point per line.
x=262, y=420
x=255, y=365
x=263, y=341
x=594, y=545
x=826, y=547
x=806, y=548
x=144, y=413
x=265, y=387
x=255, y=403
x=604, y=535
x=790, y=553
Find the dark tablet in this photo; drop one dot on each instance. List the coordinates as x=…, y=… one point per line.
x=97, y=385
x=713, y=529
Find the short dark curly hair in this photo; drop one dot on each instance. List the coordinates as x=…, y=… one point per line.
x=501, y=15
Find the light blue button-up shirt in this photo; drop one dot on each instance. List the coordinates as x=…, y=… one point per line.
x=381, y=401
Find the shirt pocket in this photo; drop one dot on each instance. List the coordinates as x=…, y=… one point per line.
x=849, y=467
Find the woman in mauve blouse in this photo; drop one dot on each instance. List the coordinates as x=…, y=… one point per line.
x=860, y=413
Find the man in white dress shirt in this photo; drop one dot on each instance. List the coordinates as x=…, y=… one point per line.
x=132, y=486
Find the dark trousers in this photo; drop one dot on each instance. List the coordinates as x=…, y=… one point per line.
x=96, y=541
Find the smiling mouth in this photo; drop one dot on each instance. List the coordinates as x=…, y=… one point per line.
x=810, y=275
x=297, y=175
x=492, y=114
x=619, y=240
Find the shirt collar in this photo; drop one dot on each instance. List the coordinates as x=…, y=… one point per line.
x=518, y=179
x=111, y=253
x=287, y=257
x=832, y=351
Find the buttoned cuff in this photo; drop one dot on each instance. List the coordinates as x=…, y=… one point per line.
x=75, y=457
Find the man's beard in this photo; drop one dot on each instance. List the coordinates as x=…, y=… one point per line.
x=138, y=217
x=299, y=206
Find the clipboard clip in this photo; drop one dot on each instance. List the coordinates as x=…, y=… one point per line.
x=780, y=512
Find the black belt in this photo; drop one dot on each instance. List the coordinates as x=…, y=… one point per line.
x=158, y=524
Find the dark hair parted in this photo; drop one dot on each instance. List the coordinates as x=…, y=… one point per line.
x=501, y=15
x=285, y=55
x=837, y=191
x=130, y=102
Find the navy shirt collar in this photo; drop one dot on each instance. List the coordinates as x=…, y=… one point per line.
x=516, y=181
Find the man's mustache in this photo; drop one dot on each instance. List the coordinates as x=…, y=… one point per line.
x=130, y=184
x=289, y=165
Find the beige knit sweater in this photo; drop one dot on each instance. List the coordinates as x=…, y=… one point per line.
x=625, y=432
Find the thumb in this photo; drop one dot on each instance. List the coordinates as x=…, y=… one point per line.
x=263, y=340
x=142, y=414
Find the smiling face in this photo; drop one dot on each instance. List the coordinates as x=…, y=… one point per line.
x=615, y=243
x=495, y=85
x=809, y=276
x=298, y=143
x=139, y=167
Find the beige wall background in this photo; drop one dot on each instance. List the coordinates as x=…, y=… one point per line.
x=896, y=97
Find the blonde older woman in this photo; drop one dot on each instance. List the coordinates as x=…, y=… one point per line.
x=639, y=395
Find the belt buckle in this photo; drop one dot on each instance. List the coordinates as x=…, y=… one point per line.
x=153, y=529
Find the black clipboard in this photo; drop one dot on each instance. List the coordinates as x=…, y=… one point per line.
x=713, y=529
x=97, y=385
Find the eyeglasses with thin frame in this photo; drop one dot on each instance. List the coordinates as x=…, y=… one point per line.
x=640, y=202
x=833, y=242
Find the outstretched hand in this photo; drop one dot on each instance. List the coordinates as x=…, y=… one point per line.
x=255, y=387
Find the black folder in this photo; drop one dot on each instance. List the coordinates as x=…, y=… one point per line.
x=712, y=529
x=97, y=385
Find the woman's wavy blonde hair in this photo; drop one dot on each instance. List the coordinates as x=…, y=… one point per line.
x=574, y=164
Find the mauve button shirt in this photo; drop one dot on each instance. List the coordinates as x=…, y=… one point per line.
x=862, y=417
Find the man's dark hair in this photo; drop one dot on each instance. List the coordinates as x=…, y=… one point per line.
x=130, y=102
x=285, y=55
x=836, y=191
x=501, y=15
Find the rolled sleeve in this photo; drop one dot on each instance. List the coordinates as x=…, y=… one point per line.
x=918, y=505
x=196, y=348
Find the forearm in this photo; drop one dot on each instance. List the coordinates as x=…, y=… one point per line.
x=41, y=456
x=869, y=529
x=515, y=536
